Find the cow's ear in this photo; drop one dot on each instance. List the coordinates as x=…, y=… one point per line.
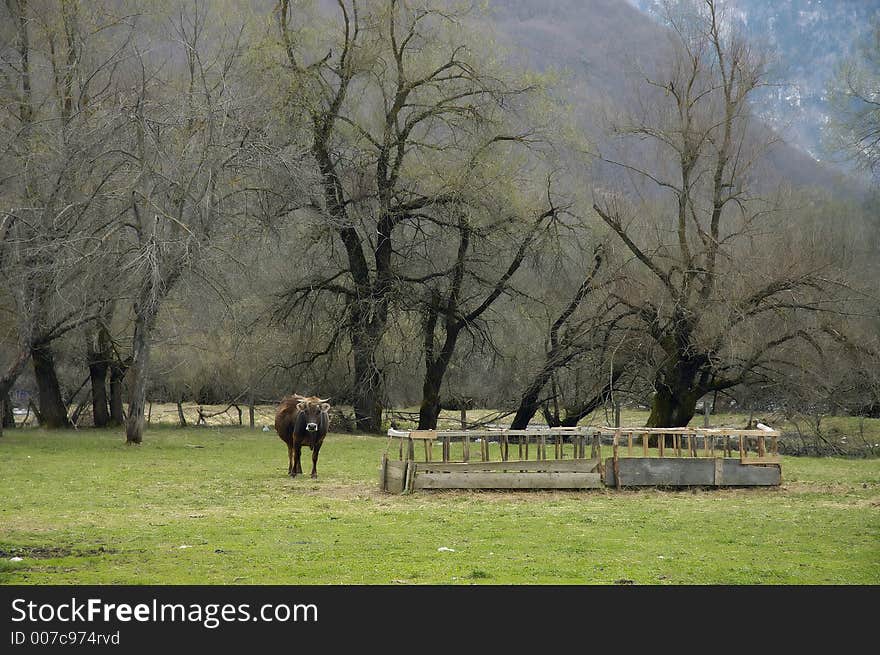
x=324, y=407
x=301, y=407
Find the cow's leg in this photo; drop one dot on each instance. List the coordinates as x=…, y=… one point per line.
x=289, y=460
x=297, y=467
x=315, y=449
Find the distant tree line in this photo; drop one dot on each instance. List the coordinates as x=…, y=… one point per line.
x=367, y=201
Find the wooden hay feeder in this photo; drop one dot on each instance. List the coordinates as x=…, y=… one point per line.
x=502, y=459
x=690, y=457
x=518, y=459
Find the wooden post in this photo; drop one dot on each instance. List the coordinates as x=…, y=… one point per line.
x=466, y=448
x=410, y=449
x=401, y=449
x=251, y=409
x=427, y=450
x=727, y=451
x=661, y=443
x=382, y=470
x=629, y=443
x=410, y=476
x=742, y=452
x=709, y=441
x=596, y=446
x=645, y=443
x=520, y=446
x=676, y=444
x=463, y=418
x=446, y=448
x=761, y=448
x=616, y=461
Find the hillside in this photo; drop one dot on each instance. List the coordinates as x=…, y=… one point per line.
x=604, y=47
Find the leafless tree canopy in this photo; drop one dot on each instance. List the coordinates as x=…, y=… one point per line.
x=371, y=200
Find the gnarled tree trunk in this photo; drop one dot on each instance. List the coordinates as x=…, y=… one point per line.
x=98, y=354
x=53, y=411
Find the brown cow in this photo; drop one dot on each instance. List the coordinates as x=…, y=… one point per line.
x=302, y=420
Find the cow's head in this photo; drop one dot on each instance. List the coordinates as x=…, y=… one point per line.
x=312, y=414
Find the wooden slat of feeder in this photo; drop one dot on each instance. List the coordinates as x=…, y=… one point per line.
x=767, y=459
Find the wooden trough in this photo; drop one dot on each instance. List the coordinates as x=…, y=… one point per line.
x=679, y=457
x=501, y=460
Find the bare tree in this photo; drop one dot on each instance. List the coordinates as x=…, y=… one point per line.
x=723, y=295
x=397, y=106
x=183, y=155
x=853, y=129
x=449, y=312
x=573, y=336
x=55, y=84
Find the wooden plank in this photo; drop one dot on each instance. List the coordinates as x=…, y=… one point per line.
x=410, y=449
x=629, y=444
x=489, y=480
x=410, y=476
x=645, y=440
x=428, y=435
x=719, y=472
x=757, y=461
x=383, y=467
x=561, y=465
x=395, y=476
x=716, y=431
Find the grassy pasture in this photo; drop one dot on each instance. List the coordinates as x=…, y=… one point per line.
x=214, y=506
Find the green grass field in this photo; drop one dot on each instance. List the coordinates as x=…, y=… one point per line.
x=214, y=506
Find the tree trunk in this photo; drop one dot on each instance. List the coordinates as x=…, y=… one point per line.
x=98, y=354
x=367, y=383
x=181, y=419
x=117, y=378
x=53, y=412
x=429, y=411
x=100, y=404
x=140, y=361
x=673, y=407
x=529, y=403
x=8, y=416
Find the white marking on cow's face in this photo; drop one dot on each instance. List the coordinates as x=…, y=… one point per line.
x=311, y=427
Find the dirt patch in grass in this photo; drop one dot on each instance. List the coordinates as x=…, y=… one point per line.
x=50, y=552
